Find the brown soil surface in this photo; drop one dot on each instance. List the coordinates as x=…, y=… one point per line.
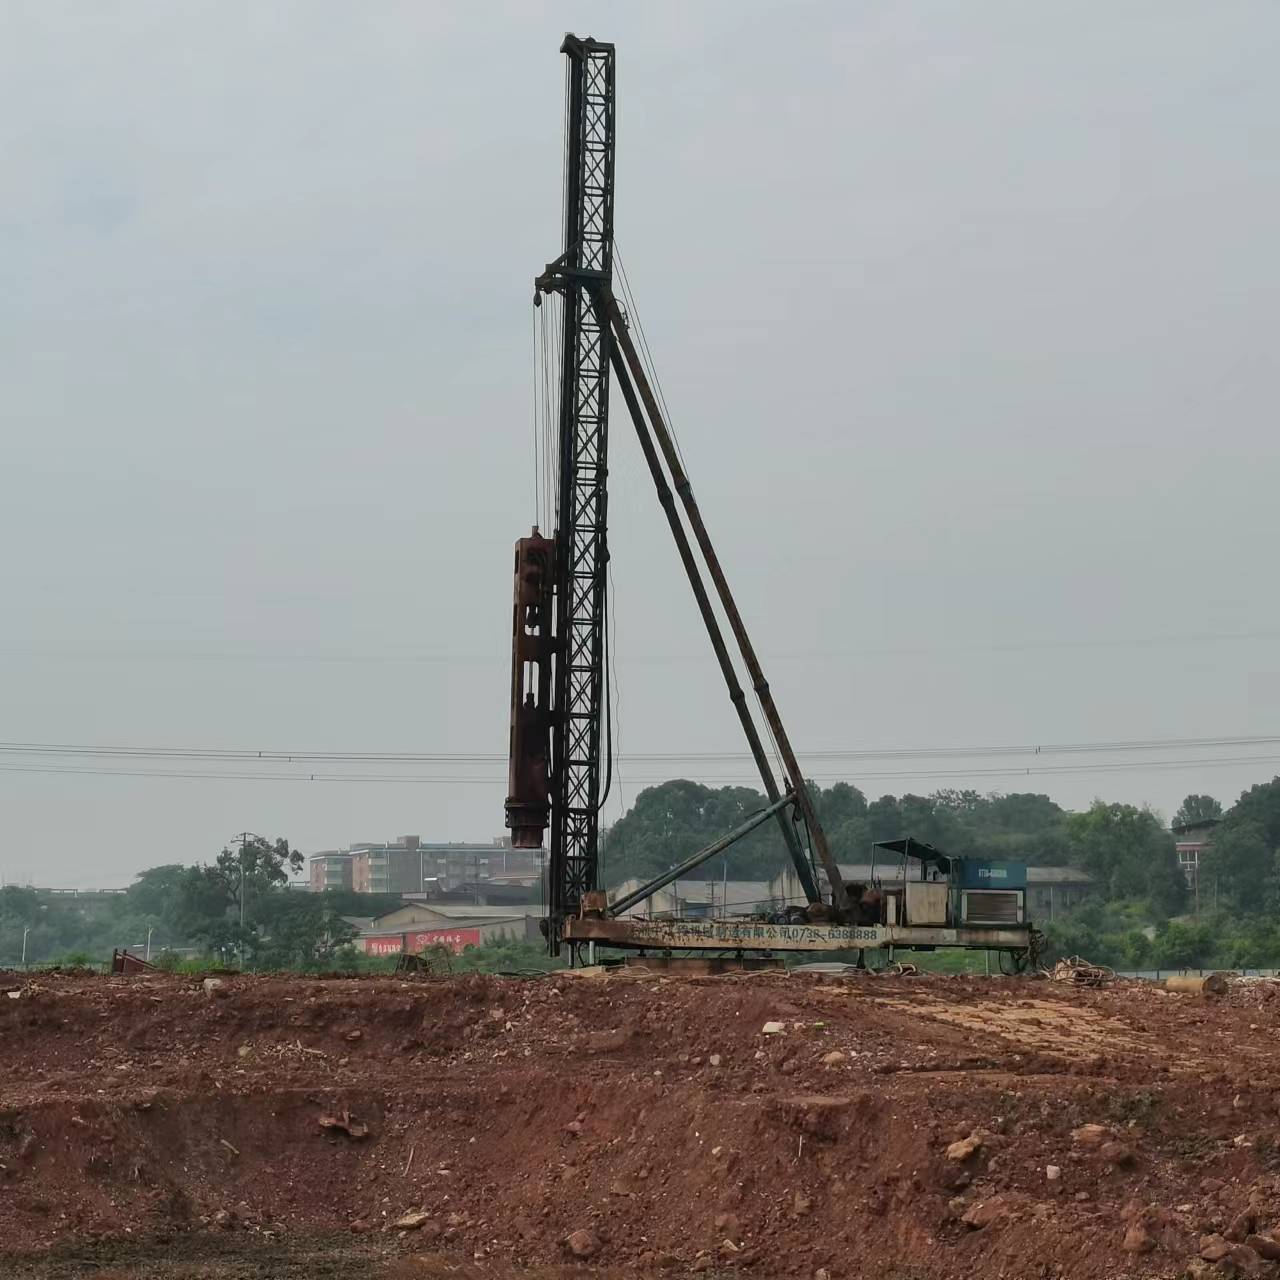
x=150, y=1129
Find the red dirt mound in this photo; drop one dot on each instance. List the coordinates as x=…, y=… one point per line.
x=902, y=1127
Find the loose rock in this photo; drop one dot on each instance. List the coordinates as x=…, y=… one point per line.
x=582, y=1244
x=411, y=1221
x=1264, y=1247
x=1242, y=1225
x=1138, y=1239
x=1117, y=1154
x=1089, y=1136
x=344, y=1123
x=1213, y=1248
x=986, y=1212
x=963, y=1149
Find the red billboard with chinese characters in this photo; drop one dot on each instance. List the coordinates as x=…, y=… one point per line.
x=419, y=939
x=454, y=939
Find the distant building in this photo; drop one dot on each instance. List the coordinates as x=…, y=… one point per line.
x=1050, y=890
x=691, y=898
x=395, y=866
x=330, y=870
x=410, y=865
x=419, y=925
x=1054, y=889
x=1192, y=839
x=453, y=866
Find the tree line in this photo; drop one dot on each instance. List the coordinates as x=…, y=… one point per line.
x=1232, y=915
x=1142, y=910
x=1127, y=850
x=238, y=905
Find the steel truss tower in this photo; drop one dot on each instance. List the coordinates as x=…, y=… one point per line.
x=581, y=534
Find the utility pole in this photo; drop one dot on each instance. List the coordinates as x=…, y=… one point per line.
x=25, y=932
x=244, y=839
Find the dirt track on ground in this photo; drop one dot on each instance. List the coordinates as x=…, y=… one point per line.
x=148, y=1128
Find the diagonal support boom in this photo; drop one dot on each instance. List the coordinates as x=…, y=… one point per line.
x=684, y=490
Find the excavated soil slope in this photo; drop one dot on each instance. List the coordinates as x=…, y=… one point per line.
x=910, y=1128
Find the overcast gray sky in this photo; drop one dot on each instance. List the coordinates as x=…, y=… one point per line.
x=965, y=312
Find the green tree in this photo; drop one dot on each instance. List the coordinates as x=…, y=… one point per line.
x=1239, y=867
x=842, y=810
x=1254, y=944
x=1128, y=853
x=1260, y=805
x=1136, y=950
x=839, y=803
x=1197, y=809
x=1184, y=946
x=669, y=822
x=1022, y=825
x=199, y=906
x=296, y=930
x=1076, y=933
x=1022, y=812
x=207, y=900
x=257, y=865
x=885, y=819
x=19, y=905
x=157, y=892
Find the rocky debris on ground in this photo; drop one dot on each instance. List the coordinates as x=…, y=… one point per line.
x=413, y=1221
x=1094, y=1130
x=343, y=1122
x=984, y=1213
x=1090, y=1137
x=1138, y=1239
x=1117, y=1154
x=582, y=1244
x=964, y=1148
x=1264, y=1246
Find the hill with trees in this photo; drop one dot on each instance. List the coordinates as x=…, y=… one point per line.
x=1126, y=849
x=239, y=904
x=1140, y=915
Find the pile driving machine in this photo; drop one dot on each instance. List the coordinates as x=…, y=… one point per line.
x=559, y=630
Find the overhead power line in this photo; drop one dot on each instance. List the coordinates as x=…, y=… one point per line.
x=495, y=780
x=277, y=756
x=473, y=658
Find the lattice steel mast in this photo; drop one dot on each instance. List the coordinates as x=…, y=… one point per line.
x=558, y=675
x=582, y=551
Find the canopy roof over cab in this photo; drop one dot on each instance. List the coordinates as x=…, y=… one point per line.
x=906, y=847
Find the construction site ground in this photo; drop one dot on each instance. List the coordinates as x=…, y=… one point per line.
x=907, y=1128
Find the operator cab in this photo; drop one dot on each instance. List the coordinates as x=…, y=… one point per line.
x=943, y=890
